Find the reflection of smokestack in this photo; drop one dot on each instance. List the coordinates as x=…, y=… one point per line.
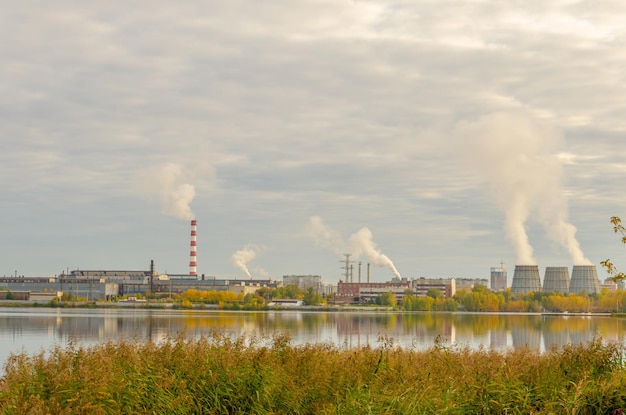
x=526, y=279
x=584, y=278
x=556, y=279
x=368, y=272
x=192, y=253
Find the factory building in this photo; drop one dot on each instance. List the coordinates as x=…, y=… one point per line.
x=365, y=292
x=350, y=292
x=447, y=286
x=95, y=285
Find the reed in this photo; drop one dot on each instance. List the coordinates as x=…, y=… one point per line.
x=219, y=375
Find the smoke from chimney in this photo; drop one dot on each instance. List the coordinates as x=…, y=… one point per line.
x=242, y=257
x=360, y=243
x=518, y=157
x=325, y=237
x=170, y=184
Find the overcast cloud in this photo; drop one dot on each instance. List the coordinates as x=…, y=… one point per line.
x=262, y=115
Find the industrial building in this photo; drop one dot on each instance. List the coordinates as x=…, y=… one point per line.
x=363, y=292
x=447, y=286
x=94, y=285
x=366, y=292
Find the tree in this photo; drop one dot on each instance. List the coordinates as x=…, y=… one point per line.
x=388, y=299
x=311, y=297
x=616, y=275
x=434, y=293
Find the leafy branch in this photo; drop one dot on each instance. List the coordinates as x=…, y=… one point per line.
x=616, y=275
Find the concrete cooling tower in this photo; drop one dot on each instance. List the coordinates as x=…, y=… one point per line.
x=526, y=279
x=584, y=278
x=556, y=279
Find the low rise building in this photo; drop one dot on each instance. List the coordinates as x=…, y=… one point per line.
x=361, y=292
x=447, y=286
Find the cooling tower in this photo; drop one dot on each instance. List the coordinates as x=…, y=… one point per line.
x=556, y=279
x=526, y=279
x=584, y=278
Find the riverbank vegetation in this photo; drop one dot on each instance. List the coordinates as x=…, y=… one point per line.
x=218, y=375
x=478, y=299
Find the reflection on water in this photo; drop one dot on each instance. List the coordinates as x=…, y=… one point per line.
x=32, y=329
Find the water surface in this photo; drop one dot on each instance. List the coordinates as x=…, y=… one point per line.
x=34, y=329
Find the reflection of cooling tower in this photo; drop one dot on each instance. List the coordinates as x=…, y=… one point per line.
x=526, y=279
x=556, y=279
x=584, y=278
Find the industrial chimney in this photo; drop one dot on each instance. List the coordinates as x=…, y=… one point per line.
x=192, y=254
x=526, y=279
x=556, y=279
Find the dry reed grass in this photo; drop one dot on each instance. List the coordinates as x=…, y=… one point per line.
x=219, y=375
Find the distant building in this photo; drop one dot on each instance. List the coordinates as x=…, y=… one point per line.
x=304, y=282
x=609, y=284
x=470, y=283
x=498, y=279
x=361, y=292
x=365, y=292
x=447, y=286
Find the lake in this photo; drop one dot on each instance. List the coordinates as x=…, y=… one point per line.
x=34, y=329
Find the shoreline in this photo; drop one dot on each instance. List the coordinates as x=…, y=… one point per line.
x=200, y=307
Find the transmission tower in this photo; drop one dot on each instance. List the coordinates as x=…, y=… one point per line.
x=347, y=266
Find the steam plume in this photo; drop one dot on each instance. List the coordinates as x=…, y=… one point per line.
x=243, y=256
x=360, y=243
x=169, y=184
x=517, y=157
x=325, y=237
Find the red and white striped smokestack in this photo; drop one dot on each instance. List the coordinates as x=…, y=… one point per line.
x=192, y=254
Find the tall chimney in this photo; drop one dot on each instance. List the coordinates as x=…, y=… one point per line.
x=192, y=253
x=359, y=271
x=368, y=272
x=152, y=275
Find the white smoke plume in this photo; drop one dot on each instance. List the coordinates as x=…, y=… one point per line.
x=517, y=156
x=169, y=183
x=325, y=237
x=360, y=243
x=242, y=257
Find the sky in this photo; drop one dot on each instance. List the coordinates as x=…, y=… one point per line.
x=428, y=138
